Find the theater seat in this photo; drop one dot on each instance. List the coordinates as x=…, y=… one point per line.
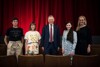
x=3, y=49
x=8, y=61
x=57, y=61
x=85, y=61
x=95, y=49
x=30, y=61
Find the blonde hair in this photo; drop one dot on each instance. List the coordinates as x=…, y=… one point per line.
x=78, y=25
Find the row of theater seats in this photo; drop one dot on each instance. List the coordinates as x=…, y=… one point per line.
x=49, y=61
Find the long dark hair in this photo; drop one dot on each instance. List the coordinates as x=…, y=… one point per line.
x=31, y=25
x=70, y=35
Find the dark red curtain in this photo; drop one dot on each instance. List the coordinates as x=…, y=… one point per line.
x=39, y=10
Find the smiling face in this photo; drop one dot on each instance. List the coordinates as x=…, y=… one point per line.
x=68, y=26
x=51, y=19
x=33, y=27
x=82, y=21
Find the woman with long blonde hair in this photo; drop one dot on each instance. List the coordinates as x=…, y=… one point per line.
x=80, y=21
x=84, y=37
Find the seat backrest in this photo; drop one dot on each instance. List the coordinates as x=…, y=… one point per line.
x=3, y=49
x=57, y=61
x=85, y=61
x=8, y=61
x=30, y=61
x=95, y=49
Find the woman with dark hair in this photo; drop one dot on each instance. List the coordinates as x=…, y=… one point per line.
x=69, y=40
x=32, y=38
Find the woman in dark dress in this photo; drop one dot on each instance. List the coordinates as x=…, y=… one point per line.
x=84, y=37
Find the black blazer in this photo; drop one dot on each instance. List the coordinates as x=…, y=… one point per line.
x=45, y=36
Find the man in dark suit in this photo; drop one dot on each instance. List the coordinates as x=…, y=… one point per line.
x=50, y=40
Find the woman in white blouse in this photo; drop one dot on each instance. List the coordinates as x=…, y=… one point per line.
x=69, y=40
x=32, y=38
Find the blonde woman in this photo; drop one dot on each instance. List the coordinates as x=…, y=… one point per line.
x=84, y=37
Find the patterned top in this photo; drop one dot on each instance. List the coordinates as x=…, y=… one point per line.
x=67, y=45
x=32, y=36
x=33, y=46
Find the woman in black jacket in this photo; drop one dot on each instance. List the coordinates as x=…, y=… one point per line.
x=84, y=37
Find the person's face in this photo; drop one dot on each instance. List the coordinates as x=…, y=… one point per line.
x=68, y=26
x=51, y=20
x=15, y=22
x=81, y=21
x=33, y=27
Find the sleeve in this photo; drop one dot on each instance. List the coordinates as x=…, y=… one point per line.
x=75, y=40
x=89, y=37
x=26, y=36
x=22, y=32
x=58, y=37
x=42, y=37
x=63, y=40
x=39, y=35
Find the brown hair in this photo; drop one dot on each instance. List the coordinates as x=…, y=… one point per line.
x=31, y=25
x=15, y=18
